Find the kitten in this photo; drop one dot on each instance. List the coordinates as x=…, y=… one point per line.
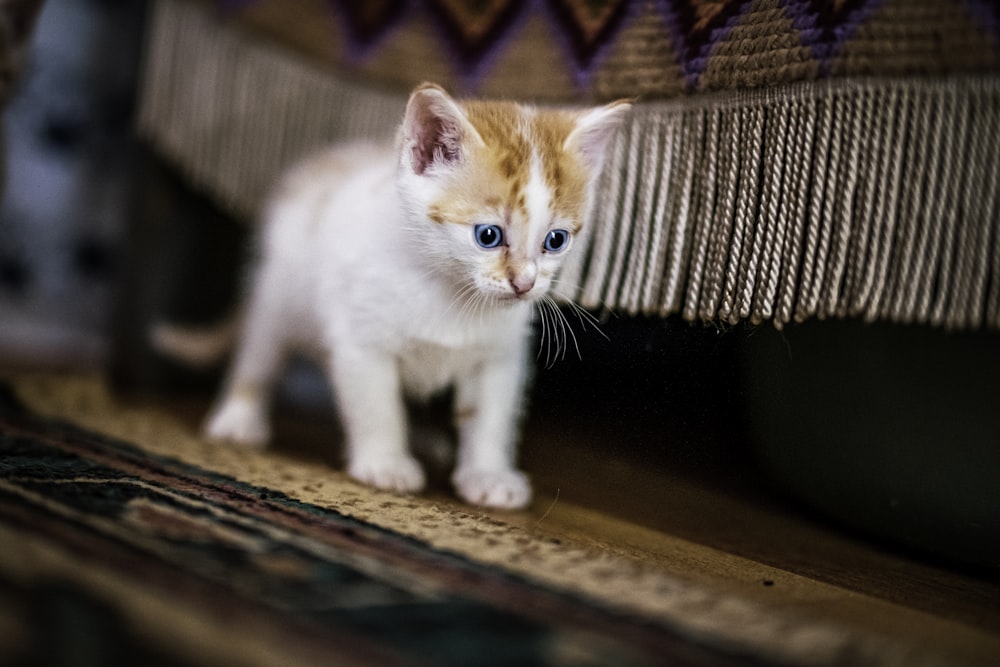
x=407, y=270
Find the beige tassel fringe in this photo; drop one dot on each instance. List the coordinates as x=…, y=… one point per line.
x=868, y=199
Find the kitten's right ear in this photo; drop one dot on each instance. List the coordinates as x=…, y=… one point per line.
x=434, y=129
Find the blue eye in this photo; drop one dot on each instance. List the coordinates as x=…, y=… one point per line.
x=556, y=240
x=488, y=236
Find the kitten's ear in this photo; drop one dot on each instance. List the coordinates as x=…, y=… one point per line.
x=434, y=129
x=594, y=129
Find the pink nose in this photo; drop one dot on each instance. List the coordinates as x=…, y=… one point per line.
x=522, y=277
x=522, y=284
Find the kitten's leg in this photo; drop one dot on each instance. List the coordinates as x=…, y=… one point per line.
x=487, y=411
x=240, y=417
x=369, y=397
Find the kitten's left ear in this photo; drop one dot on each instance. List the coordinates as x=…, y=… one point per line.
x=435, y=129
x=594, y=129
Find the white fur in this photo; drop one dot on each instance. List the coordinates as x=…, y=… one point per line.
x=391, y=304
x=341, y=277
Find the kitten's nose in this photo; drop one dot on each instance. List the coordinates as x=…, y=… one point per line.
x=522, y=280
x=522, y=285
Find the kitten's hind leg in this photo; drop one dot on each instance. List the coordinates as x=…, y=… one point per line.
x=241, y=416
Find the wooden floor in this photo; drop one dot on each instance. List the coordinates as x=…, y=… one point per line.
x=732, y=507
x=729, y=524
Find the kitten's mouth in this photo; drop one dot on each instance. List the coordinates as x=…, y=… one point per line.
x=508, y=298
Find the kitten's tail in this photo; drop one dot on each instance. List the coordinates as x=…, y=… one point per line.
x=197, y=346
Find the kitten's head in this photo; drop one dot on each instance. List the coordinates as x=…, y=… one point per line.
x=496, y=192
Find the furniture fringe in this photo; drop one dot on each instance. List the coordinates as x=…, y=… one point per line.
x=857, y=198
x=873, y=199
x=233, y=112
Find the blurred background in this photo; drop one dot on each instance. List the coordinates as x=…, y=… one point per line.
x=70, y=159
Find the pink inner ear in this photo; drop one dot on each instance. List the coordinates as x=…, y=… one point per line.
x=596, y=128
x=438, y=140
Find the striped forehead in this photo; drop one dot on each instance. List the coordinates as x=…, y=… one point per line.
x=525, y=149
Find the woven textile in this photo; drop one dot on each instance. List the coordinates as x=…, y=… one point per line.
x=165, y=562
x=576, y=50
x=127, y=540
x=787, y=160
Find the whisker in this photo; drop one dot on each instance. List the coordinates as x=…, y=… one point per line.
x=481, y=304
x=582, y=314
x=554, y=343
x=456, y=297
x=551, y=338
x=544, y=334
x=559, y=283
x=463, y=296
x=586, y=317
x=567, y=330
x=543, y=328
x=472, y=309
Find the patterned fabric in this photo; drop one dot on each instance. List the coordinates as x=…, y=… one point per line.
x=581, y=49
x=211, y=570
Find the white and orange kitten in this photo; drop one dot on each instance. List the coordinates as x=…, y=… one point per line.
x=412, y=268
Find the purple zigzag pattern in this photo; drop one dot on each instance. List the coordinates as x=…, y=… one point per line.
x=825, y=26
x=696, y=26
x=476, y=47
x=367, y=24
x=475, y=31
x=586, y=29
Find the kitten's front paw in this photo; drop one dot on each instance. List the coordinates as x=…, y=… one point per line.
x=401, y=474
x=504, y=489
x=239, y=423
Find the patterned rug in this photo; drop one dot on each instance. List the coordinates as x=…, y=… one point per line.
x=114, y=555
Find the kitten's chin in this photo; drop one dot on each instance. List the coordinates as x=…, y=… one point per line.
x=514, y=298
x=502, y=300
